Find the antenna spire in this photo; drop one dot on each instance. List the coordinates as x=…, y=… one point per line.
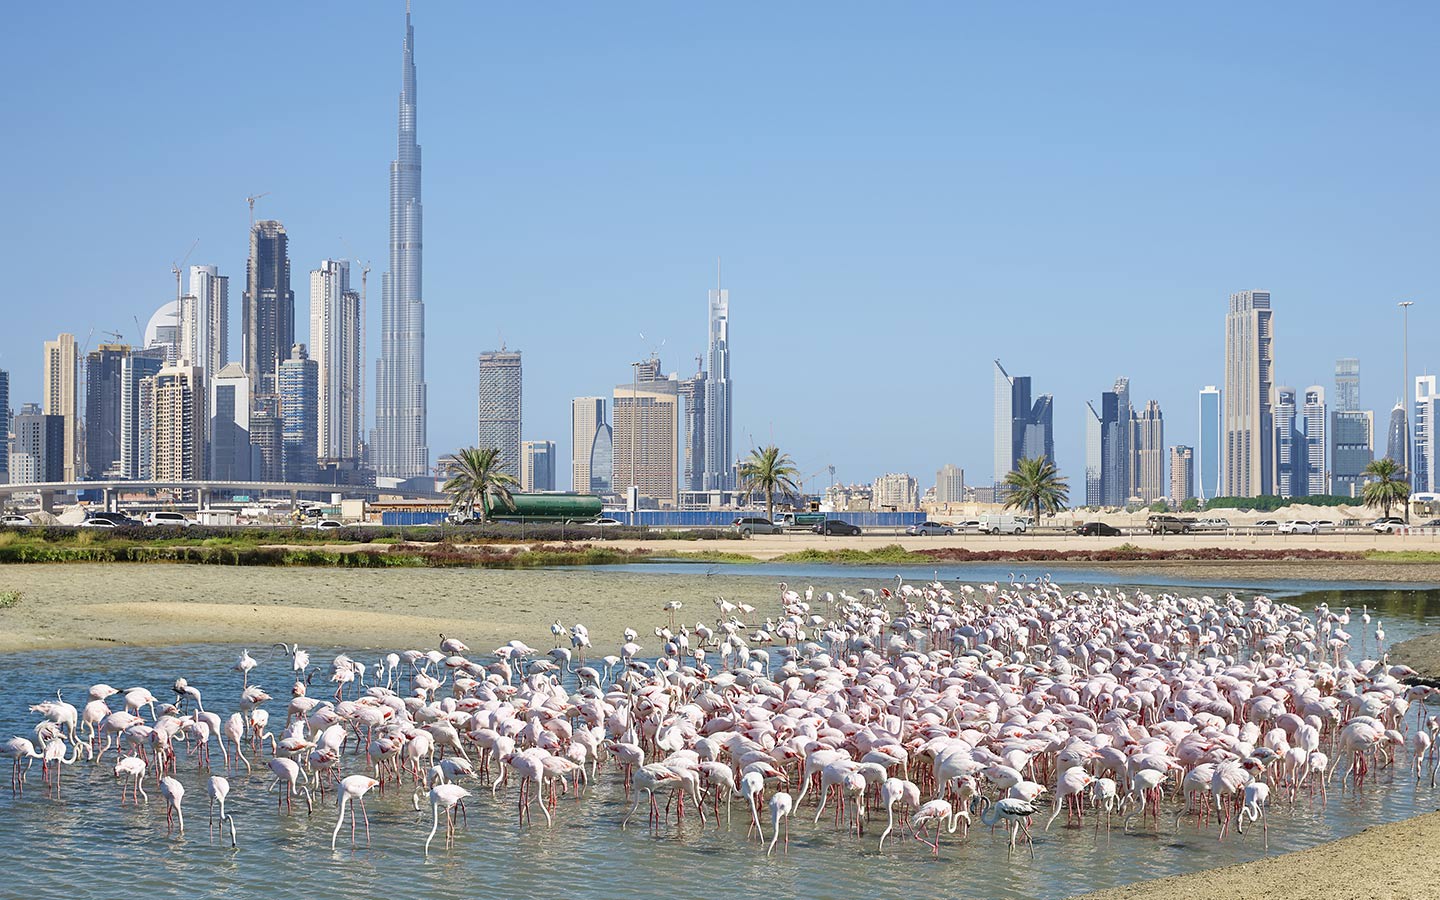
x=718, y=282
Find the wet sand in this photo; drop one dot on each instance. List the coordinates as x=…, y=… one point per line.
x=1388, y=862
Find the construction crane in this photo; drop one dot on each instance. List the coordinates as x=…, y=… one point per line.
x=251, y=200
x=177, y=267
x=806, y=480
x=115, y=336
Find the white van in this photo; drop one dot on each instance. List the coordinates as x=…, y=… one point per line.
x=1002, y=524
x=168, y=518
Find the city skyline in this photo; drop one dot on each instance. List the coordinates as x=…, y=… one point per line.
x=303, y=195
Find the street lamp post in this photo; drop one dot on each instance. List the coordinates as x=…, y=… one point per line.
x=1405, y=391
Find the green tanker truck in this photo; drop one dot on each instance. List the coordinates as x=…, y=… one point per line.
x=545, y=508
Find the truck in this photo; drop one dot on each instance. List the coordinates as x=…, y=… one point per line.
x=799, y=521
x=997, y=523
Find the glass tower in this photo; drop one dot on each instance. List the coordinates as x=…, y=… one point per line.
x=1208, y=465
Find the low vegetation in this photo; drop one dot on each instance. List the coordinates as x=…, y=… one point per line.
x=9, y=599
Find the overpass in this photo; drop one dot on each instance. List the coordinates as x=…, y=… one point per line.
x=203, y=489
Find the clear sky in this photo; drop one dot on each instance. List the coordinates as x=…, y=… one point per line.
x=900, y=193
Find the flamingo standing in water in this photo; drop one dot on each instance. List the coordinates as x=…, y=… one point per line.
x=447, y=796
x=173, y=792
x=781, y=806
x=353, y=788
x=1016, y=812
x=219, y=788
x=132, y=769
x=940, y=814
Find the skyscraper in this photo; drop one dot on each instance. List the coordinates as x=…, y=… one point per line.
x=268, y=309
x=1094, y=457
x=692, y=394
x=1249, y=390
x=602, y=461
x=1316, y=480
x=179, y=423
x=62, y=398
x=204, y=319
x=1182, y=473
x=1352, y=448
x=950, y=484
x=39, y=446
x=719, y=443
x=500, y=406
x=1150, y=453
x=230, y=453
x=895, y=492
x=102, y=409
x=400, y=447
x=162, y=332
x=335, y=346
x=1398, y=437
x=1427, y=405
x=1022, y=429
x=1115, y=427
x=4, y=427
x=1123, y=445
x=587, y=414
x=1347, y=384
x=137, y=412
x=537, y=466
x=300, y=414
x=1207, y=464
x=645, y=414
x=1289, y=447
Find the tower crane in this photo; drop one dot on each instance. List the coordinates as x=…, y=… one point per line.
x=251, y=200
x=177, y=267
x=830, y=469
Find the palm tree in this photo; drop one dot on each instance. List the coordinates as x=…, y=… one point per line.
x=1388, y=485
x=474, y=476
x=1036, y=483
x=769, y=470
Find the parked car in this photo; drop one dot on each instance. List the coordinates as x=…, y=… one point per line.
x=969, y=526
x=324, y=525
x=605, y=522
x=1387, y=525
x=1267, y=523
x=15, y=521
x=1211, y=524
x=750, y=526
x=108, y=520
x=168, y=518
x=1097, y=529
x=1433, y=523
x=925, y=529
x=836, y=526
x=1168, y=525
x=1296, y=526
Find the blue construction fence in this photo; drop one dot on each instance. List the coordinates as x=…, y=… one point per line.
x=697, y=518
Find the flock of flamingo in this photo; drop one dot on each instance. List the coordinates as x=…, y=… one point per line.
x=925, y=706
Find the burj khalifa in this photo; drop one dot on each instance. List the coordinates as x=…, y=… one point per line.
x=399, y=447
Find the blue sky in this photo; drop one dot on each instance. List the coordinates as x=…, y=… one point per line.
x=900, y=193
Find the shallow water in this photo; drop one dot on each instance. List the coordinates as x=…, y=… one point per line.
x=86, y=845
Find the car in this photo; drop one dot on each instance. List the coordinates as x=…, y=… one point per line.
x=1168, y=525
x=924, y=529
x=1098, y=529
x=1212, y=524
x=324, y=525
x=969, y=526
x=1296, y=526
x=109, y=520
x=605, y=522
x=168, y=518
x=15, y=521
x=752, y=525
x=1267, y=523
x=836, y=526
x=1433, y=523
x=1387, y=525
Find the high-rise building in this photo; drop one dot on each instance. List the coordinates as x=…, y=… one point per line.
x=1182, y=473
x=179, y=423
x=204, y=319
x=1094, y=457
x=1289, y=447
x=137, y=410
x=39, y=447
x=895, y=491
x=537, y=466
x=1123, y=445
x=719, y=443
x=645, y=415
x=299, y=387
x=267, y=439
x=1022, y=429
x=1115, y=437
x=230, y=452
x=1398, y=437
x=1208, y=455
x=587, y=414
x=335, y=346
x=400, y=449
x=1249, y=458
x=1347, y=384
x=5, y=416
x=1352, y=448
x=950, y=484
x=102, y=409
x=692, y=395
x=1427, y=406
x=62, y=398
x=500, y=406
x=162, y=332
x=1316, y=480
x=602, y=461
x=1150, y=453
x=269, y=306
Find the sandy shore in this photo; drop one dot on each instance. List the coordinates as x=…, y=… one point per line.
x=1387, y=862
